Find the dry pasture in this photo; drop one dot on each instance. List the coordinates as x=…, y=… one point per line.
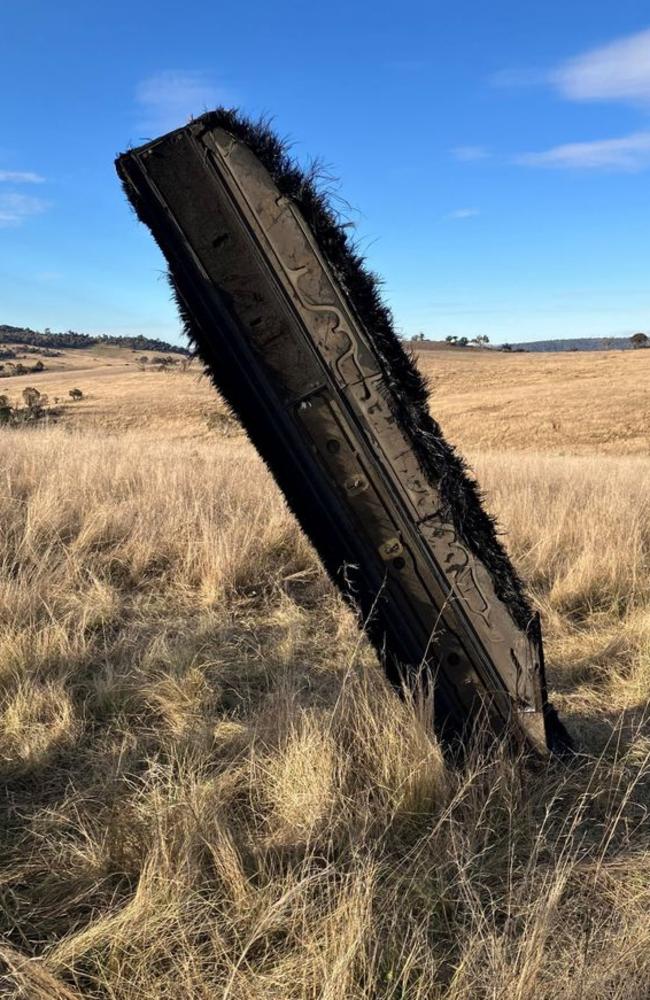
x=209, y=790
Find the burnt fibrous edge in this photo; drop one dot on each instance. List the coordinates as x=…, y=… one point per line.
x=407, y=389
x=462, y=502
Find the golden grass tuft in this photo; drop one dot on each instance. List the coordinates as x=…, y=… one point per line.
x=209, y=789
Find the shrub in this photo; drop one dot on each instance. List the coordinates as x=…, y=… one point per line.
x=31, y=396
x=164, y=362
x=35, y=408
x=5, y=410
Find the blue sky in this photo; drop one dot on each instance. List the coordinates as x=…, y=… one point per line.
x=496, y=155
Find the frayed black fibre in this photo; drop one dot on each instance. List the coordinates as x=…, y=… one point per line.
x=445, y=469
x=407, y=389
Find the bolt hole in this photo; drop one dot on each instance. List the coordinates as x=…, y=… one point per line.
x=399, y=562
x=333, y=446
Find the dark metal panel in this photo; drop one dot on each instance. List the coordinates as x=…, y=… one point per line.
x=283, y=342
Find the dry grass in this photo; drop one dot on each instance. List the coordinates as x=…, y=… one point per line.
x=574, y=403
x=208, y=789
x=118, y=397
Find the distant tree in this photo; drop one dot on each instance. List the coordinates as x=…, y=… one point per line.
x=640, y=339
x=462, y=341
x=164, y=362
x=451, y=339
x=505, y=347
x=38, y=366
x=31, y=396
x=481, y=339
x=142, y=362
x=76, y=394
x=5, y=410
x=17, y=369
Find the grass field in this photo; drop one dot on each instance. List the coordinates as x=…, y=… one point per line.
x=209, y=790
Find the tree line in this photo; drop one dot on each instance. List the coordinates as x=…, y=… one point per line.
x=70, y=338
x=480, y=339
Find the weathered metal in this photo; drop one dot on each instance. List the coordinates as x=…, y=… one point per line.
x=294, y=334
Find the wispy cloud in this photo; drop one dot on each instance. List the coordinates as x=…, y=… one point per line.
x=630, y=153
x=170, y=98
x=462, y=213
x=15, y=208
x=20, y=177
x=619, y=71
x=468, y=153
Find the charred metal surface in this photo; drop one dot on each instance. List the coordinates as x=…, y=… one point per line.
x=296, y=338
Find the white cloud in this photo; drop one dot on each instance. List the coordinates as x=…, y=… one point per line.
x=469, y=153
x=170, y=98
x=15, y=208
x=619, y=71
x=630, y=153
x=463, y=213
x=21, y=177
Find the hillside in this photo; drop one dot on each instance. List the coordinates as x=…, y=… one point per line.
x=578, y=344
x=566, y=403
x=18, y=336
x=208, y=788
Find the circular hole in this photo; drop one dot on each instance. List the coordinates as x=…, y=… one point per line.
x=399, y=563
x=333, y=446
x=453, y=659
